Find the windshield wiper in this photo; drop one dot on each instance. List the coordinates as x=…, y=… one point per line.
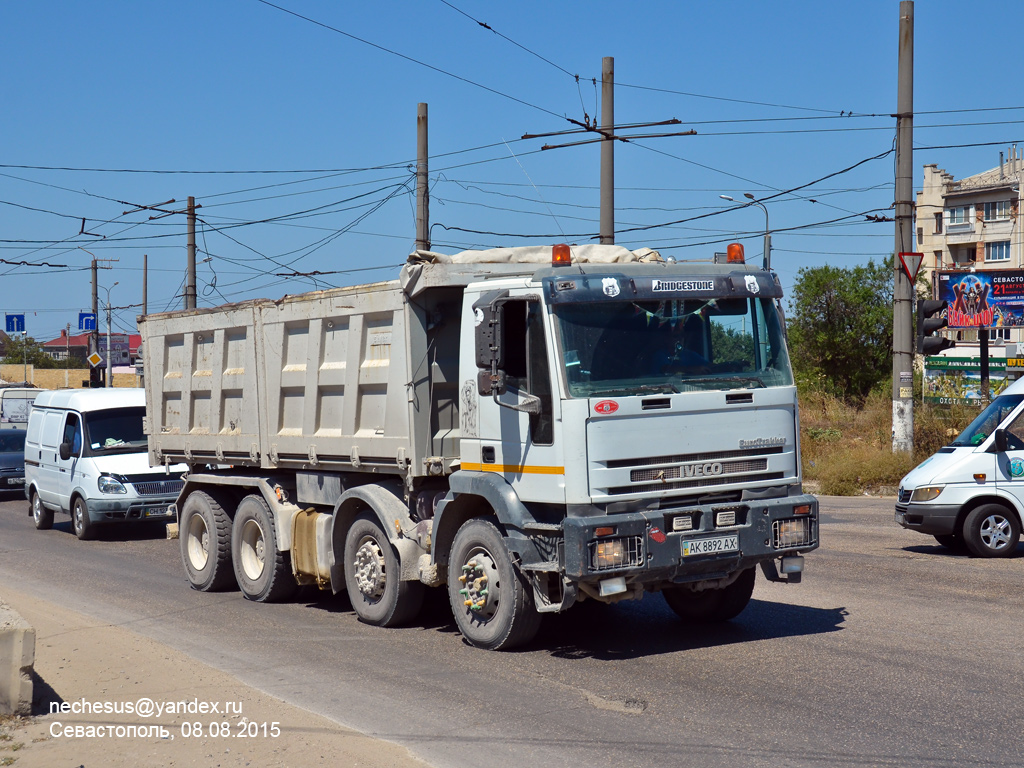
x=635, y=388
x=725, y=381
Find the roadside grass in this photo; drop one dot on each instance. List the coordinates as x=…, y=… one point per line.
x=847, y=450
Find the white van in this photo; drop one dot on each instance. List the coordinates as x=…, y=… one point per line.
x=86, y=455
x=970, y=495
x=15, y=404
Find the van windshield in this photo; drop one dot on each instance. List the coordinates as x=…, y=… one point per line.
x=988, y=420
x=117, y=430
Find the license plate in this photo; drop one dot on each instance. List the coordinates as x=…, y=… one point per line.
x=157, y=512
x=713, y=546
x=16, y=481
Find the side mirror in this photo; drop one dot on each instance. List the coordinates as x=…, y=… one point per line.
x=489, y=317
x=65, y=451
x=999, y=443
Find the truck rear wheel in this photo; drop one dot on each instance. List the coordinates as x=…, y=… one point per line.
x=204, y=530
x=711, y=605
x=491, y=601
x=991, y=531
x=373, y=577
x=263, y=573
x=42, y=516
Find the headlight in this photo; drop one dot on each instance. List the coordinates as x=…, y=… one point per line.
x=108, y=484
x=926, y=492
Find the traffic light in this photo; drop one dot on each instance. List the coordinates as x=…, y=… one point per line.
x=927, y=324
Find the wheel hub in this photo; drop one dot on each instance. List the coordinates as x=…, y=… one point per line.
x=995, y=532
x=480, y=584
x=253, y=545
x=198, y=542
x=370, y=570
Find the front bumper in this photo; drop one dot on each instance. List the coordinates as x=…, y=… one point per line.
x=108, y=510
x=654, y=550
x=933, y=519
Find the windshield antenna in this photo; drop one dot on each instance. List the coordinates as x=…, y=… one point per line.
x=550, y=212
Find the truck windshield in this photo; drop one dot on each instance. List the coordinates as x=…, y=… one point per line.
x=673, y=345
x=988, y=420
x=117, y=430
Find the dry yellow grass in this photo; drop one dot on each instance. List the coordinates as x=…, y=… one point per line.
x=847, y=450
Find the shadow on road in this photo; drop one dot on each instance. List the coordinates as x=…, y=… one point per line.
x=941, y=551
x=632, y=630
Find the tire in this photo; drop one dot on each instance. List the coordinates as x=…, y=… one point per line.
x=263, y=573
x=491, y=600
x=204, y=531
x=952, y=542
x=84, y=528
x=711, y=605
x=42, y=516
x=372, y=577
x=991, y=531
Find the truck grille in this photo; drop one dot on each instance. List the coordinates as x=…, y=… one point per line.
x=703, y=482
x=668, y=473
x=169, y=487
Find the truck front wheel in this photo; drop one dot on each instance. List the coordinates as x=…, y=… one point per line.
x=711, y=605
x=263, y=573
x=991, y=531
x=373, y=577
x=205, y=534
x=491, y=601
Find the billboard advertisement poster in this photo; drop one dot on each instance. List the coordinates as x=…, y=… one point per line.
x=957, y=380
x=983, y=299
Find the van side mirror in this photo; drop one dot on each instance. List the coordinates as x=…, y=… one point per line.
x=65, y=451
x=999, y=442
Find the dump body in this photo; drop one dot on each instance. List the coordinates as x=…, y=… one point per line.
x=624, y=424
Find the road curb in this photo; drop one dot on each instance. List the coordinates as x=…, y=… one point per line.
x=17, y=657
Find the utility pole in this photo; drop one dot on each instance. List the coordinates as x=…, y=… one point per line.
x=903, y=289
x=607, y=230
x=190, y=279
x=145, y=281
x=422, y=182
x=94, y=337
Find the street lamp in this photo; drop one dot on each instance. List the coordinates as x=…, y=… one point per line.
x=767, y=232
x=110, y=382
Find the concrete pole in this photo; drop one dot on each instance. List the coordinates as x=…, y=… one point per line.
x=110, y=349
x=94, y=337
x=190, y=279
x=607, y=231
x=903, y=290
x=145, y=281
x=422, y=182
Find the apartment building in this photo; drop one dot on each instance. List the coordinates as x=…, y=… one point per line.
x=973, y=224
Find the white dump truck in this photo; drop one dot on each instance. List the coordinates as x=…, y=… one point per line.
x=531, y=427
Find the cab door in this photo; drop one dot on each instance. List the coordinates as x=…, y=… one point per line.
x=524, y=447
x=68, y=469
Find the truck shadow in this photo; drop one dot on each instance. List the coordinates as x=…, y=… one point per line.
x=115, y=532
x=633, y=630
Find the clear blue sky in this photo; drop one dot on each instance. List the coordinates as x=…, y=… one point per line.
x=108, y=87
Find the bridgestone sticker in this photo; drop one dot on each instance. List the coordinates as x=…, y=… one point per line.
x=676, y=286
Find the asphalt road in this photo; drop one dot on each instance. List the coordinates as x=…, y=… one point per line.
x=892, y=651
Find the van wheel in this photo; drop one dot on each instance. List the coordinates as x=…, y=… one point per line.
x=204, y=530
x=991, y=531
x=263, y=573
x=373, y=577
x=42, y=516
x=84, y=528
x=711, y=605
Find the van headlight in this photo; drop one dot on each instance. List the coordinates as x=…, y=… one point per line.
x=927, y=492
x=108, y=484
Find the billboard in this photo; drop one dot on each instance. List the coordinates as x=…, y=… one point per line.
x=983, y=299
x=119, y=348
x=957, y=380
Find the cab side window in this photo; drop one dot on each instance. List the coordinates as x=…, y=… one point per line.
x=73, y=433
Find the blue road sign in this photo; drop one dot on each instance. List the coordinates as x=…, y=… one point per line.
x=15, y=323
x=86, y=321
